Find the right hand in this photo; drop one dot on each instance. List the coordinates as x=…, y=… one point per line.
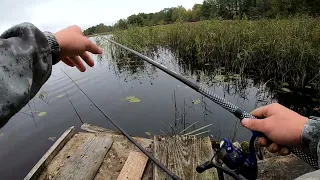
x=281, y=125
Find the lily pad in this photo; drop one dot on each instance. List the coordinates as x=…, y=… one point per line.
x=42, y=114
x=286, y=90
x=52, y=138
x=132, y=99
x=148, y=133
x=196, y=101
x=60, y=96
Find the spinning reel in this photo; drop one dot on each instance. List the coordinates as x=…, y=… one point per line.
x=238, y=162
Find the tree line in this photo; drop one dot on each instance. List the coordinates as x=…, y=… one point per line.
x=216, y=9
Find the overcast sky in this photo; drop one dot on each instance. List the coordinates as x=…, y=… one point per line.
x=53, y=15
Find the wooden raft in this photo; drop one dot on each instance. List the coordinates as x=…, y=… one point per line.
x=96, y=154
x=182, y=154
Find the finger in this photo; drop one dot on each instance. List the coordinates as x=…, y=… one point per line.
x=91, y=47
x=261, y=141
x=261, y=112
x=68, y=61
x=254, y=124
x=273, y=148
x=78, y=62
x=284, y=151
x=86, y=57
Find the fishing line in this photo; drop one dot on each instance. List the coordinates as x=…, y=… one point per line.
x=238, y=112
x=153, y=159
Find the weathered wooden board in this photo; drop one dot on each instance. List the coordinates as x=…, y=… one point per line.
x=134, y=167
x=182, y=154
x=86, y=160
x=42, y=164
x=118, y=153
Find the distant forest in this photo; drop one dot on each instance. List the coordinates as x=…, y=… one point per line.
x=216, y=9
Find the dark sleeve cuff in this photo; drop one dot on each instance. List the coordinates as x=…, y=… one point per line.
x=55, y=48
x=310, y=137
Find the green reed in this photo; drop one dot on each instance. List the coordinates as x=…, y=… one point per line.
x=283, y=50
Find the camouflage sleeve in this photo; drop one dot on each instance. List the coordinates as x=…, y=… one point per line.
x=311, y=137
x=26, y=58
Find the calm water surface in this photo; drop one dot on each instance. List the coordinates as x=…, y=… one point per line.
x=166, y=105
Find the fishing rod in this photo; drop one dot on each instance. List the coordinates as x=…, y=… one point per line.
x=238, y=112
x=153, y=159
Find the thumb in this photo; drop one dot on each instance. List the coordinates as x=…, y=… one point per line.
x=254, y=124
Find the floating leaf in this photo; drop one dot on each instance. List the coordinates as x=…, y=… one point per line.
x=60, y=96
x=236, y=76
x=187, y=87
x=148, y=133
x=178, y=86
x=42, y=95
x=286, y=90
x=315, y=99
x=1, y=134
x=219, y=77
x=196, y=101
x=52, y=138
x=132, y=99
x=42, y=113
x=285, y=84
x=308, y=87
x=316, y=109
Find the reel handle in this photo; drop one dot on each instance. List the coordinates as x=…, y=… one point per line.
x=205, y=166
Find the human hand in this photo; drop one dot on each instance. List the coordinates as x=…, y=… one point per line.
x=281, y=125
x=73, y=45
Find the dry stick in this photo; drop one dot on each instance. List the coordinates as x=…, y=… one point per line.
x=32, y=115
x=197, y=130
x=189, y=127
x=74, y=107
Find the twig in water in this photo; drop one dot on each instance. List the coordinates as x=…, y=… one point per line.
x=32, y=115
x=188, y=127
x=74, y=107
x=197, y=130
x=201, y=133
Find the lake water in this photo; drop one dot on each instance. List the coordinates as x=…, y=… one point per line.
x=166, y=105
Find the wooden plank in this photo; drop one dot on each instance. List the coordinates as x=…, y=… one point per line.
x=50, y=154
x=134, y=167
x=85, y=162
x=95, y=129
x=182, y=154
x=119, y=152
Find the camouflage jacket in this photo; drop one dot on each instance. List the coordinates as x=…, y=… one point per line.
x=310, y=138
x=26, y=60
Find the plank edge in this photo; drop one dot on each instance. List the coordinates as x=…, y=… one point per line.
x=36, y=171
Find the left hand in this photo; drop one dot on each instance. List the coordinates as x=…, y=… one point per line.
x=74, y=45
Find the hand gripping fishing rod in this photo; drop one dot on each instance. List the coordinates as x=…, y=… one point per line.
x=153, y=159
x=238, y=112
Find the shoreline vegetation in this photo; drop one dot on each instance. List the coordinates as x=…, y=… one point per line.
x=281, y=51
x=273, y=42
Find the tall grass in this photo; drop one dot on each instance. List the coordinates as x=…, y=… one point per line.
x=282, y=50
